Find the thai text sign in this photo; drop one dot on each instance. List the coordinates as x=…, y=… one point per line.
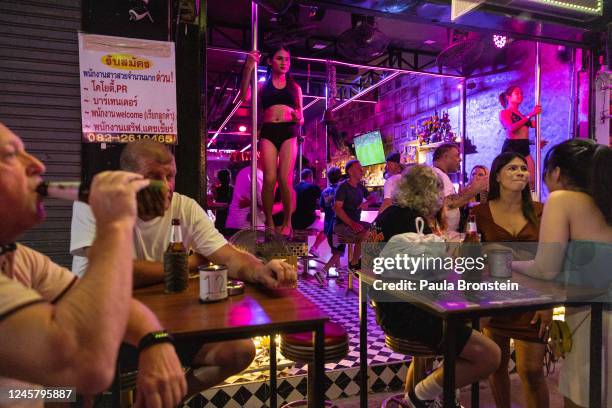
x=128, y=89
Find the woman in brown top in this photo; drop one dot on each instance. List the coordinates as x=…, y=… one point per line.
x=510, y=215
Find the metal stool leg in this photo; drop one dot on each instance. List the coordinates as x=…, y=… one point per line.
x=419, y=369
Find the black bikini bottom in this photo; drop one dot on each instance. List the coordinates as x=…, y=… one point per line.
x=520, y=146
x=278, y=133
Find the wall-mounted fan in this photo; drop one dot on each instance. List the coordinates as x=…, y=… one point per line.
x=292, y=27
x=363, y=42
x=463, y=53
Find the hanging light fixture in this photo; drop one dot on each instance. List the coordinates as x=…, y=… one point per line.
x=500, y=40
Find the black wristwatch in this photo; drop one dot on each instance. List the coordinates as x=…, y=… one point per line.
x=153, y=338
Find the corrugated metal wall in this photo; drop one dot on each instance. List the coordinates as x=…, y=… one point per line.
x=39, y=100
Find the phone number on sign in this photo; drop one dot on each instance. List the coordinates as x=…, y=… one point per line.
x=47, y=394
x=127, y=137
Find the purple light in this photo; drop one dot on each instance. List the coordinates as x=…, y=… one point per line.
x=242, y=128
x=459, y=86
x=500, y=40
x=262, y=79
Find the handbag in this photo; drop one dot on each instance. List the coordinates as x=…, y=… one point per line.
x=560, y=339
x=416, y=245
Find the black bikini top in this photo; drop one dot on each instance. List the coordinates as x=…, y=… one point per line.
x=515, y=118
x=270, y=95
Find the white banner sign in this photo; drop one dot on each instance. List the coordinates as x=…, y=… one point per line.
x=128, y=89
x=460, y=7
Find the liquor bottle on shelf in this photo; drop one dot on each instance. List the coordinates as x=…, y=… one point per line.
x=176, y=261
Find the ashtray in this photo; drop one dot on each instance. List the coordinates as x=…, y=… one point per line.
x=235, y=287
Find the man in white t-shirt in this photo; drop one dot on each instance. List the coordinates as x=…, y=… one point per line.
x=446, y=159
x=216, y=361
x=394, y=173
x=239, y=213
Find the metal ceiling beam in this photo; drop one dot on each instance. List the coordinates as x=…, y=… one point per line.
x=489, y=19
x=227, y=119
x=365, y=91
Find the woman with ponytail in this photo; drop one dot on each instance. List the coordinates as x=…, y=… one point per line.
x=575, y=247
x=281, y=100
x=517, y=126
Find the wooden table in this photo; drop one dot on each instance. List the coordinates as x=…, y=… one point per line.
x=453, y=310
x=257, y=312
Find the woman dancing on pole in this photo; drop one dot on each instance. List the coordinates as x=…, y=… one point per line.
x=281, y=100
x=517, y=126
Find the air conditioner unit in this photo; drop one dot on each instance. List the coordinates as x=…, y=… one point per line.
x=579, y=10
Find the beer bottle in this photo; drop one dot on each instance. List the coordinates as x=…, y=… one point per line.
x=471, y=231
x=150, y=199
x=471, y=247
x=176, y=261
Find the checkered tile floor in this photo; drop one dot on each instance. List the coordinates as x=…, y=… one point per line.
x=386, y=368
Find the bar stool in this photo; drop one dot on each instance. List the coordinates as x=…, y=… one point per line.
x=299, y=347
x=338, y=240
x=420, y=354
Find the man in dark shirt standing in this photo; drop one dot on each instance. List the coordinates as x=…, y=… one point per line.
x=349, y=203
x=307, y=196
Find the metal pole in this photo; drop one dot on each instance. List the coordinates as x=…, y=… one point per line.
x=538, y=84
x=254, y=119
x=573, y=97
x=326, y=132
x=300, y=141
x=592, y=91
x=347, y=64
x=365, y=91
x=463, y=129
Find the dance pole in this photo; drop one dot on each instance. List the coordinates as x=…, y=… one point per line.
x=326, y=130
x=300, y=141
x=254, y=119
x=538, y=85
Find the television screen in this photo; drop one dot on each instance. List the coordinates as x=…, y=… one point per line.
x=369, y=148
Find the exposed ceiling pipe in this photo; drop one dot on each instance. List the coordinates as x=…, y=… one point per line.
x=377, y=68
x=346, y=64
x=309, y=96
x=322, y=97
x=365, y=91
x=311, y=103
x=227, y=119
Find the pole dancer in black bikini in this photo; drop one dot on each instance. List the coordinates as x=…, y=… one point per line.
x=281, y=98
x=517, y=126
